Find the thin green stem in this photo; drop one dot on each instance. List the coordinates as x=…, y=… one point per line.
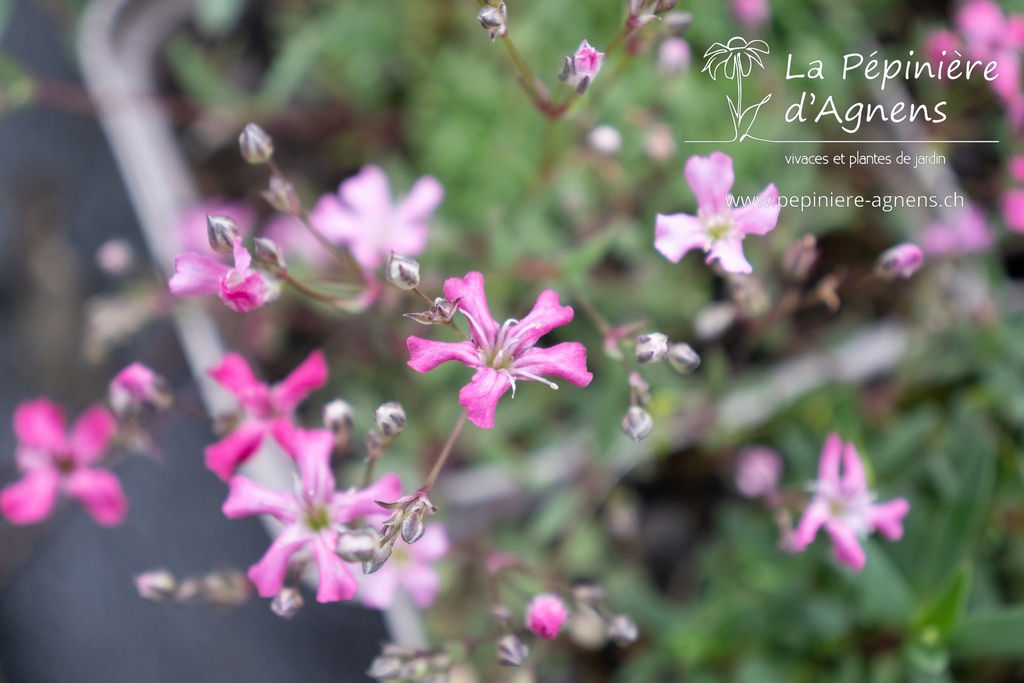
x=445, y=452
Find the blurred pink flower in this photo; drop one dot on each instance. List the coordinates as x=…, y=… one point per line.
x=264, y=406
x=939, y=46
x=362, y=216
x=1013, y=210
x=967, y=233
x=900, y=261
x=750, y=12
x=989, y=35
x=758, y=469
x=843, y=504
x=192, y=231
x=501, y=354
x=54, y=462
x=410, y=567
x=312, y=515
x=1016, y=167
x=673, y=56
x=137, y=384
x=717, y=228
x=545, y=615
x=240, y=288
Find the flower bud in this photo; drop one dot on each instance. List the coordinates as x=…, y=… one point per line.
x=758, y=470
x=605, y=139
x=714, y=319
x=651, y=347
x=545, y=615
x=749, y=295
x=338, y=417
x=900, y=261
x=268, y=254
x=494, y=20
x=287, y=603
x=622, y=630
x=280, y=194
x=390, y=419
x=379, y=558
x=255, y=145
x=413, y=527
x=136, y=385
x=358, y=546
x=157, y=585
x=512, y=651
x=581, y=68
x=222, y=234
x=637, y=423
x=441, y=312
x=683, y=358
x=799, y=259
x=115, y=256
x=639, y=389
x=402, y=271
x=226, y=588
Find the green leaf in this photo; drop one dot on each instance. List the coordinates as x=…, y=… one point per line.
x=940, y=617
x=198, y=77
x=998, y=633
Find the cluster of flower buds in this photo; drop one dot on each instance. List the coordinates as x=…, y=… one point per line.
x=398, y=664
x=222, y=588
x=406, y=520
x=654, y=347
x=618, y=628
x=494, y=19
x=402, y=271
x=440, y=312
x=581, y=68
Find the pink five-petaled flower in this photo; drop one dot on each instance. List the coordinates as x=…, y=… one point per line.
x=264, y=406
x=843, y=504
x=312, y=515
x=362, y=216
x=410, y=567
x=545, y=615
x=54, y=461
x=241, y=288
x=717, y=228
x=501, y=354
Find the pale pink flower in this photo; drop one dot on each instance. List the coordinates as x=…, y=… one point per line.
x=135, y=385
x=192, y=231
x=264, y=406
x=758, y=469
x=717, y=228
x=545, y=615
x=989, y=35
x=363, y=217
x=410, y=567
x=750, y=12
x=900, y=261
x=582, y=67
x=241, y=288
x=844, y=505
x=54, y=461
x=673, y=56
x=295, y=240
x=501, y=354
x=939, y=46
x=1013, y=210
x=1016, y=167
x=966, y=233
x=313, y=515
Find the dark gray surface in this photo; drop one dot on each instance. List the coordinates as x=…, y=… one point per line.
x=68, y=609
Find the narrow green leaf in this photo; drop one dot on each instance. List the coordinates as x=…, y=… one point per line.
x=940, y=617
x=998, y=633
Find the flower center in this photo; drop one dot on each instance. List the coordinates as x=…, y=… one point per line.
x=317, y=518
x=719, y=230
x=64, y=463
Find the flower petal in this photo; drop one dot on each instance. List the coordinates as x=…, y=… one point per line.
x=421, y=201
x=760, y=215
x=336, y=580
x=567, y=360
x=39, y=424
x=547, y=314
x=311, y=450
x=311, y=374
x=246, y=295
x=426, y=354
x=711, y=178
x=480, y=396
x=828, y=465
x=332, y=219
x=423, y=584
x=473, y=302
x=853, y=470
x=815, y=514
x=377, y=590
x=845, y=544
x=348, y=505
x=367, y=193
x=268, y=574
x=235, y=375
x=676, y=234
x=247, y=498
x=196, y=275
x=100, y=491
x=227, y=454
x=887, y=518
x=32, y=498
x=729, y=252
x=91, y=434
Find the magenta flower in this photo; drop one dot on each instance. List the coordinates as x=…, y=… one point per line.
x=263, y=406
x=410, y=567
x=750, y=12
x=581, y=69
x=241, y=288
x=900, y=261
x=501, y=354
x=843, y=504
x=966, y=233
x=1013, y=210
x=54, y=462
x=545, y=615
x=363, y=217
x=313, y=515
x=717, y=228
x=135, y=385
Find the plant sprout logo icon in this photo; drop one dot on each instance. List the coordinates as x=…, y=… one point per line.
x=736, y=59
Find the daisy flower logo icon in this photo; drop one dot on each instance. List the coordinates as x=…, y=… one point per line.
x=735, y=60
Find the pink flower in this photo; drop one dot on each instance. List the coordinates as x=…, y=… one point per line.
x=312, y=515
x=192, y=231
x=362, y=216
x=900, y=261
x=758, y=469
x=501, y=354
x=750, y=12
x=264, y=406
x=989, y=35
x=843, y=504
x=967, y=233
x=939, y=46
x=545, y=615
x=673, y=56
x=135, y=385
x=1016, y=167
x=717, y=228
x=55, y=462
x=581, y=69
x=410, y=567
x=1013, y=210
x=240, y=288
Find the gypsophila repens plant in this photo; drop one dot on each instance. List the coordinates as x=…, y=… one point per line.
x=706, y=421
